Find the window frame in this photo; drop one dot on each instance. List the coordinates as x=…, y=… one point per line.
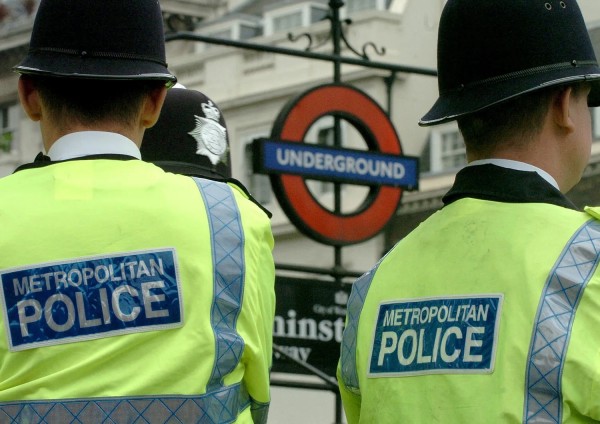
x=259, y=185
x=304, y=8
x=438, y=156
x=379, y=5
x=10, y=116
x=596, y=123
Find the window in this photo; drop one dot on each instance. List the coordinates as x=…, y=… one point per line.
x=453, y=150
x=286, y=17
x=223, y=34
x=9, y=116
x=358, y=5
x=596, y=123
x=446, y=150
x=233, y=29
x=248, y=30
x=287, y=22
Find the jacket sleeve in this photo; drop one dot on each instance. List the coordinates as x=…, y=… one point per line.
x=256, y=319
x=350, y=400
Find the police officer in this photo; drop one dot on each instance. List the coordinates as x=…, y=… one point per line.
x=129, y=294
x=190, y=136
x=488, y=311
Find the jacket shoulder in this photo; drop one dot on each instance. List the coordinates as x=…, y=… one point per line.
x=593, y=211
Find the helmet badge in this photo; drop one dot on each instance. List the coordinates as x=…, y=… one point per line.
x=210, y=135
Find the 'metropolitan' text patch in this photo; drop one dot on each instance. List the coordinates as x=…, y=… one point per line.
x=90, y=298
x=436, y=335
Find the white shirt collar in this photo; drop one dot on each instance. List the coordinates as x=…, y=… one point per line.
x=519, y=166
x=86, y=143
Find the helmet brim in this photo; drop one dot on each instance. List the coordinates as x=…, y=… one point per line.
x=93, y=68
x=453, y=105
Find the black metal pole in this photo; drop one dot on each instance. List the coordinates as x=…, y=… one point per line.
x=190, y=36
x=334, y=272
x=389, y=85
x=336, y=36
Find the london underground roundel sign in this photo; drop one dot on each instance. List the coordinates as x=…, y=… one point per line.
x=295, y=198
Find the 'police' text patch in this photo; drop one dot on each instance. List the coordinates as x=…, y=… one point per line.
x=91, y=298
x=436, y=336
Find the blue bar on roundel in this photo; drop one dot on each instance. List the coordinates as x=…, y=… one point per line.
x=336, y=164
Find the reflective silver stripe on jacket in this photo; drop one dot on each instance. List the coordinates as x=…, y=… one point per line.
x=221, y=406
x=259, y=411
x=228, y=263
x=553, y=322
x=349, y=374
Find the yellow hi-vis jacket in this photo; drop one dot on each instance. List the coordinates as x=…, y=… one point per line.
x=132, y=295
x=446, y=328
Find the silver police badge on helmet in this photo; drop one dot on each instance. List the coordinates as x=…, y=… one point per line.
x=210, y=134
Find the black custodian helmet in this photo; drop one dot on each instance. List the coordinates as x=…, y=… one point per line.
x=490, y=51
x=190, y=137
x=98, y=39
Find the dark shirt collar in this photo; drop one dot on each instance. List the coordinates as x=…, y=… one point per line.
x=495, y=183
x=42, y=160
